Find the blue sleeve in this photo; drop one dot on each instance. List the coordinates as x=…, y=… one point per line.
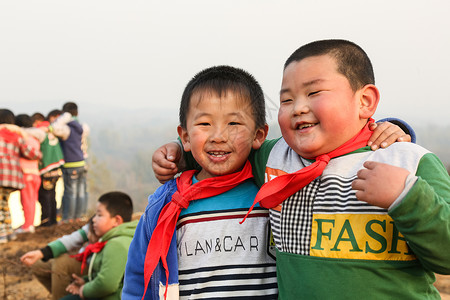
x=133, y=287
x=403, y=125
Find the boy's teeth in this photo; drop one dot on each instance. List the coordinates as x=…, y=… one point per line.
x=305, y=126
x=218, y=154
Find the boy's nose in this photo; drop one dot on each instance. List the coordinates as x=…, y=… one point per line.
x=219, y=135
x=300, y=106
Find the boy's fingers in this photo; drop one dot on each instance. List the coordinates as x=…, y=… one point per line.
x=369, y=165
x=359, y=195
x=172, y=152
x=358, y=185
x=381, y=133
x=160, y=161
x=404, y=138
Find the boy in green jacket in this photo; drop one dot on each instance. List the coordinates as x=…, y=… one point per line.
x=112, y=223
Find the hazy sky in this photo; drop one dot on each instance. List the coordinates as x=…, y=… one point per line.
x=140, y=54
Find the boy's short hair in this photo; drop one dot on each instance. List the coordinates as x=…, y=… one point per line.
x=71, y=108
x=6, y=116
x=54, y=113
x=24, y=120
x=351, y=59
x=223, y=79
x=118, y=203
x=37, y=116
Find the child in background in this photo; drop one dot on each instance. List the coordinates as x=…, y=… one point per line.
x=71, y=134
x=12, y=147
x=29, y=194
x=50, y=170
x=112, y=223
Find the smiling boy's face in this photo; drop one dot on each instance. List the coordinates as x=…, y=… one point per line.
x=319, y=111
x=220, y=132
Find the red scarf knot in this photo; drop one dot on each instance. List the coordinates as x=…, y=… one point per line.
x=323, y=158
x=178, y=200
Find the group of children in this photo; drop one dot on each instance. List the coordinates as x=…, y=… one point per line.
x=315, y=214
x=36, y=152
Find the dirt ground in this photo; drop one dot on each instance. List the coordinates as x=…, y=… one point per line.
x=17, y=282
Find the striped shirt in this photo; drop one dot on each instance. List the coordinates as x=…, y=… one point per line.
x=220, y=258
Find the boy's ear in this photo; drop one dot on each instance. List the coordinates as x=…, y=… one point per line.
x=260, y=136
x=369, y=98
x=118, y=219
x=184, y=136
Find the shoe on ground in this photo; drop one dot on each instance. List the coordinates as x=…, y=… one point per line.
x=28, y=230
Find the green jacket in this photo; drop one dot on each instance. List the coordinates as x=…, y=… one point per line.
x=106, y=269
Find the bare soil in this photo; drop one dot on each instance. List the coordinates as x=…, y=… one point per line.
x=17, y=282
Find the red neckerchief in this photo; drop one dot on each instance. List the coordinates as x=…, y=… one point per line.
x=91, y=248
x=159, y=244
x=273, y=193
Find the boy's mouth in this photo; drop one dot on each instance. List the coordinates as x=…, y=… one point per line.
x=301, y=126
x=218, y=153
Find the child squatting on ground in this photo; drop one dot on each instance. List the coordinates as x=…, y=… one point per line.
x=349, y=222
x=183, y=249
x=107, y=258
x=112, y=224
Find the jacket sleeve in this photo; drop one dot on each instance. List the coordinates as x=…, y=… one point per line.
x=423, y=216
x=258, y=159
x=133, y=287
x=27, y=151
x=60, y=127
x=69, y=242
x=109, y=277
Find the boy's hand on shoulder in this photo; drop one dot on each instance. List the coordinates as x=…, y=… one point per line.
x=379, y=184
x=385, y=134
x=165, y=160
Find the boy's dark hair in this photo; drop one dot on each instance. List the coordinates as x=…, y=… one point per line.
x=223, y=79
x=54, y=113
x=118, y=203
x=24, y=120
x=6, y=116
x=71, y=108
x=37, y=116
x=352, y=60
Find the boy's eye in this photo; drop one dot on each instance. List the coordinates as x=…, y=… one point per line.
x=203, y=124
x=286, y=100
x=234, y=123
x=313, y=93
